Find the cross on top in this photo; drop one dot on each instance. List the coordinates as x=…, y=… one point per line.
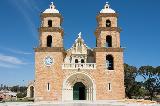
x=51, y=3
x=79, y=35
x=52, y=6
x=107, y=5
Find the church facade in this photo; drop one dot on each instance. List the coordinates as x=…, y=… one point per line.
x=79, y=73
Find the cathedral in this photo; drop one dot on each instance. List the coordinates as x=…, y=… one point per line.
x=81, y=72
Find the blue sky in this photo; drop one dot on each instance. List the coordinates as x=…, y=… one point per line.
x=19, y=20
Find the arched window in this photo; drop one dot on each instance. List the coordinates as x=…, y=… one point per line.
x=108, y=41
x=82, y=60
x=109, y=62
x=49, y=41
x=49, y=23
x=76, y=60
x=108, y=23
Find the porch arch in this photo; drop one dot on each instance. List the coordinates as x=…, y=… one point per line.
x=31, y=91
x=69, y=82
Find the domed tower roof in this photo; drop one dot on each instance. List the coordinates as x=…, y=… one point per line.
x=107, y=9
x=51, y=9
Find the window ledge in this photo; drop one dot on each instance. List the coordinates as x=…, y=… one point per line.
x=109, y=70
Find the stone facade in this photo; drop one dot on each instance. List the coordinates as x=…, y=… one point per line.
x=58, y=72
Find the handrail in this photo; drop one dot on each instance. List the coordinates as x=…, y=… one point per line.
x=79, y=66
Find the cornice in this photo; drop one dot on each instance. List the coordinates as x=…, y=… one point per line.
x=100, y=15
x=51, y=29
x=49, y=49
x=99, y=29
x=103, y=49
x=44, y=15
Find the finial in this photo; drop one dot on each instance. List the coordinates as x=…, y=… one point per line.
x=52, y=6
x=107, y=9
x=51, y=9
x=107, y=5
x=51, y=3
x=79, y=35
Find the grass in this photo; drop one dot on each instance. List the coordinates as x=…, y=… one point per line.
x=21, y=100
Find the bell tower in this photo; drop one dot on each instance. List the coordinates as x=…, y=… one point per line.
x=109, y=55
x=49, y=56
x=107, y=32
x=51, y=33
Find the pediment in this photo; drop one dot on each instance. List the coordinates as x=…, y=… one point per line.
x=79, y=47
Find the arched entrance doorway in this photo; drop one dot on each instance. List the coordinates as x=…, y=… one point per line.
x=78, y=86
x=79, y=91
x=31, y=92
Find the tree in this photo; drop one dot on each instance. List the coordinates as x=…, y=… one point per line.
x=21, y=91
x=151, y=77
x=22, y=88
x=158, y=72
x=138, y=90
x=130, y=73
x=21, y=95
x=15, y=88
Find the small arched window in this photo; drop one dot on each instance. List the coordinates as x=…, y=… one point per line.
x=108, y=23
x=49, y=23
x=82, y=60
x=108, y=41
x=48, y=86
x=109, y=62
x=49, y=41
x=76, y=60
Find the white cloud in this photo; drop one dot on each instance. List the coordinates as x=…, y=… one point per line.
x=5, y=65
x=18, y=51
x=11, y=60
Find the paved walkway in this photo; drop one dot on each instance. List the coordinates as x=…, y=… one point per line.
x=75, y=103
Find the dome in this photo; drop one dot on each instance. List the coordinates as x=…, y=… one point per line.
x=52, y=9
x=107, y=9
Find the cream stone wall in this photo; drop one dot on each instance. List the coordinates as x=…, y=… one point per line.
x=101, y=42
x=57, y=40
x=101, y=77
x=113, y=20
x=55, y=21
x=115, y=77
x=48, y=74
